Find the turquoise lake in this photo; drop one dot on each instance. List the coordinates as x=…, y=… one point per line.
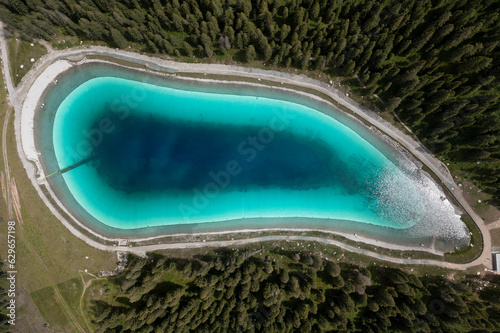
x=269, y=137
x=137, y=154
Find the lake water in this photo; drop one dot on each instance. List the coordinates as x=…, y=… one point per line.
x=136, y=154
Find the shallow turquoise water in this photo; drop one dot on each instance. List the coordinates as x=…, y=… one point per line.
x=259, y=152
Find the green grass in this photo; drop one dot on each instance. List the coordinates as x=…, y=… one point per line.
x=117, y=61
x=20, y=53
x=62, y=253
x=3, y=109
x=71, y=291
x=469, y=253
x=178, y=38
x=495, y=237
x=60, y=41
x=175, y=276
x=99, y=289
x=52, y=310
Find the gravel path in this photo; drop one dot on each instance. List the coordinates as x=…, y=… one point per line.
x=17, y=96
x=10, y=92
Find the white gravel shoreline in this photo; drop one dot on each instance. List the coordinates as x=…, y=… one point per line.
x=47, y=78
x=30, y=106
x=37, y=82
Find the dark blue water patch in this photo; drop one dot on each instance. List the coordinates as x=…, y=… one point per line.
x=145, y=154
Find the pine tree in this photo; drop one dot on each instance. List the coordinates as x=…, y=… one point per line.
x=250, y=53
x=118, y=38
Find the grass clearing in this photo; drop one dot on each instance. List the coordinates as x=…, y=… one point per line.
x=71, y=291
x=99, y=289
x=46, y=252
x=495, y=237
x=21, y=53
x=62, y=253
x=121, y=62
x=479, y=200
x=469, y=253
x=51, y=309
x=28, y=318
x=3, y=109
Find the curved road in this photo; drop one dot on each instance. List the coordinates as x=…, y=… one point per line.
x=17, y=97
x=12, y=96
x=10, y=93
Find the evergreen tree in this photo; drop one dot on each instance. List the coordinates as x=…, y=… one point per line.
x=250, y=53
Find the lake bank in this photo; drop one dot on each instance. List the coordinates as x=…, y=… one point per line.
x=326, y=109
x=218, y=70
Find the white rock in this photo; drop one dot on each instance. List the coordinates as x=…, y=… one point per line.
x=32, y=59
x=22, y=66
